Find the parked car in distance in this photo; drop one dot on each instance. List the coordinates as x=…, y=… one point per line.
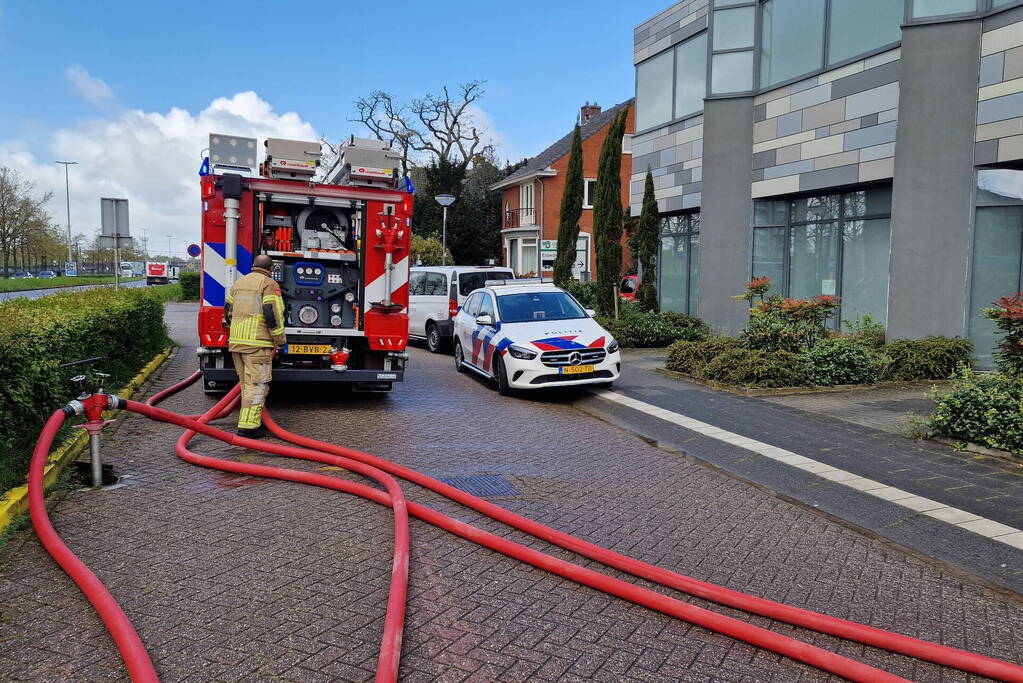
x=21, y=276
x=530, y=335
x=46, y=274
x=437, y=292
x=629, y=287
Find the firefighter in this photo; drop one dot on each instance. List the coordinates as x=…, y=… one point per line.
x=255, y=314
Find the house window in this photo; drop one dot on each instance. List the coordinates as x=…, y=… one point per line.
x=997, y=253
x=678, y=263
x=589, y=191
x=682, y=70
x=627, y=143
x=527, y=211
x=838, y=244
x=522, y=255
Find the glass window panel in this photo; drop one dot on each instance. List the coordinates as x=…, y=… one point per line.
x=865, y=258
x=733, y=28
x=673, y=261
x=769, y=256
x=814, y=260
x=728, y=3
x=999, y=185
x=769, y=212
x=996, y=259
x=529, y=264
x=999, y=3
x=690, y=76
x=859, y=26
x=673, y=224
x=792, y=39
x=694, y=274
x=513, y=255
x=815, y=208
x=876, y=202
x=732, y=72
x=934, y=8
x=653, y=90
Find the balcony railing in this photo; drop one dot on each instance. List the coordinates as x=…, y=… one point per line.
x=519, y=218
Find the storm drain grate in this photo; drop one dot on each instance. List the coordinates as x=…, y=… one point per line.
x=483, y=485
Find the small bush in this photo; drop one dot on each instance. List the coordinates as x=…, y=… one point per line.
x=646, y=329
x=840, y=360
x=1007, y=314
x=866, y=331
x=36, y=336
x=784, y=324
x=585, y=292
x=986, y=410
x=928, y=358
x=749, y=368
x=690, y=357
x=189, y=281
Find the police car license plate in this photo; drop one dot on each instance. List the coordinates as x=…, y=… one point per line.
x=308, y=349
x=576, y=369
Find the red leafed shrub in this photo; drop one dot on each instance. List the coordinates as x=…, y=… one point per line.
x=777, y=323
x=1007, y=315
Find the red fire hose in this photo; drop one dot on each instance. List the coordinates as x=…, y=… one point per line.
x=822, y=623
x=375, y=468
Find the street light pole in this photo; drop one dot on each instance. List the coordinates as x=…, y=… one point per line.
x=444, y=200
x=67, y=195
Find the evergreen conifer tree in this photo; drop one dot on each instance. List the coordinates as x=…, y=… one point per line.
x=608, y=216
x=646, y=242
x=571, y=211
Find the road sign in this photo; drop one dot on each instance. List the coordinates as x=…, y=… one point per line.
x=70, y=268
x=114, y=217
x=108, y=242
x=194, y=250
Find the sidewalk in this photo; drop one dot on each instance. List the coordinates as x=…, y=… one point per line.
x=961, y=508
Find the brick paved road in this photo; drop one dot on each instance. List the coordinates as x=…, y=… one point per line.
x=233, y=578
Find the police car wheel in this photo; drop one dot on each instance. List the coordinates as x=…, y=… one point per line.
x=459, y=357
x=501, y=375
x=433, y=340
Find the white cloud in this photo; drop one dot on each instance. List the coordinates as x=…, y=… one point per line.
x=503, y=147
x=93, y=90
x=150, y=158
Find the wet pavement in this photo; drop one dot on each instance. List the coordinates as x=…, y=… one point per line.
x=236, y=578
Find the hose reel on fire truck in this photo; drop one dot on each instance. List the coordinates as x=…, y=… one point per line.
x=323, y=227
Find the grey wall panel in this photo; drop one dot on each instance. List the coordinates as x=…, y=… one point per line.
x=931, y=206
x=725, y=231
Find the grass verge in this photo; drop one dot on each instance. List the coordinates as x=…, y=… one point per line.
x=28, y=283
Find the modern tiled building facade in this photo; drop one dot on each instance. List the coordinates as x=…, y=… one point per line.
x=871, y=149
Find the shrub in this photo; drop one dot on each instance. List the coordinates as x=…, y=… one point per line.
x=932, y=357
x=189, y=281
x=1007, y=315
x=866, y=331
x=784, y=324
x=36, y=336
x=690, y=357
x=585, y=292
x=841, y=360
x=427, y=250
x=750, y=368
x=986, y=410
x=644, y=329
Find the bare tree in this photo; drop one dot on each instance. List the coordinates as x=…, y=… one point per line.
x=437, y=125
x=22, y=217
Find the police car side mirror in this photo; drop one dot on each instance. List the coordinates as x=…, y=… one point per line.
x=485, y=320
x=590, y=312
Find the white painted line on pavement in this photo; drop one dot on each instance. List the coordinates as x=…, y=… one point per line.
x=925, y=506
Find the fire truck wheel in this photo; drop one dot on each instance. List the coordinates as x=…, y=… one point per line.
x=501, y=375
x=459, y=357
x=433, y=339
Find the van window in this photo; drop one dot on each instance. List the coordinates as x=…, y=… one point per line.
x=416, y=283
x=435, y=284
x=474, y=280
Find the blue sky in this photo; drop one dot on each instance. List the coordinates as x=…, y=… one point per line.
x=78, y=76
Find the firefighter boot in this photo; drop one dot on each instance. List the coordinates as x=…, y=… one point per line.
x=257, y=433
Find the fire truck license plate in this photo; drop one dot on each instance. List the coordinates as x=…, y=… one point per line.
x=576, y=369
x=308, y=349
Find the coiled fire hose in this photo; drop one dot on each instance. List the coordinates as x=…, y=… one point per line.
x=342, y=457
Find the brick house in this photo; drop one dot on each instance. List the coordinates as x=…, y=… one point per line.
x=531, y=197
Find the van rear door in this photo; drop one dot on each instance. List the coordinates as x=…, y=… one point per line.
x=474, y=279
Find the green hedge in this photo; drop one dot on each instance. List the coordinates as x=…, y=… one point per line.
x=125, y=326
x=189, y=281
x=635, y=328
x=928, y=358
x=987, y=410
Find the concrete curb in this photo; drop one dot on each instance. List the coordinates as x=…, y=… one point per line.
x=792, y=391
x=15, y=501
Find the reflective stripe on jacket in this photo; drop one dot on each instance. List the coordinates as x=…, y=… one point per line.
x=246, y=314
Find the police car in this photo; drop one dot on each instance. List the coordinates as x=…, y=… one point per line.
x=531, y=335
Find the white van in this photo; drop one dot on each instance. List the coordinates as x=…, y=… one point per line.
x=437, y=292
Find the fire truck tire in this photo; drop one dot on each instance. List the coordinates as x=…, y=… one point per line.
x=434, y=342
x=501, y=377
x=459, y=357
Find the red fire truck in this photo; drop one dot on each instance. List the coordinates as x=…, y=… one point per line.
x=340, y=253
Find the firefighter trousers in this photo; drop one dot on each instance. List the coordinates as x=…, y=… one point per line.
x=254, y=373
